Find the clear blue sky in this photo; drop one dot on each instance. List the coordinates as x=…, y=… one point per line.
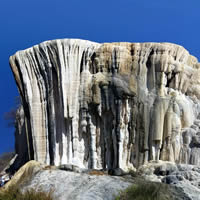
x=24, y=23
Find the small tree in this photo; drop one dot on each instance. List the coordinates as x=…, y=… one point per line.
x=5, y=159
x=10, y=116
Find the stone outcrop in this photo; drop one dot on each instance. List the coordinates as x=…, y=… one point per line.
x=86, y=184
x=72, y=185
x=183, y=176
x=111, y=105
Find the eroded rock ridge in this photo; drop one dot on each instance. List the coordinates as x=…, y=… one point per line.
x=111, y=105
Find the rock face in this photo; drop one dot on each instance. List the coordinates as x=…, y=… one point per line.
x=111, y=105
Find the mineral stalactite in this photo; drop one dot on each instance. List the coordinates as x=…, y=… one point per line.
x=110, y=105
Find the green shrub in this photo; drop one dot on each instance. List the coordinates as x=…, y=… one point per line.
x=16, y=194
x=145, y=191
x=134, y=173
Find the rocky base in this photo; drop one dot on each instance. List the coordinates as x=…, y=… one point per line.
x=185, y=178
x=71, y=182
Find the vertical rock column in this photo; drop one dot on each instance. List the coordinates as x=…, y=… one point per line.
x=48, y=76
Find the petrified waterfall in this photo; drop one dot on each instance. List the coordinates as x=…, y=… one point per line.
x=111, y=105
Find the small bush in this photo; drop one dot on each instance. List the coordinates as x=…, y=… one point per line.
x=145, y=191
x=134, y=173
x=16, y=194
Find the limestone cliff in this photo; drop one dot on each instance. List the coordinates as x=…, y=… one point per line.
x=111, y=105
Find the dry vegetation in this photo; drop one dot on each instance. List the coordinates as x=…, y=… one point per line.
x=146, y=191
x=97, y=173
x=15, y=194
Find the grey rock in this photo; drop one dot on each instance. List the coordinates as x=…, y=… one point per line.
x=68, y=167
x=195, y=127
x=197, y=122
x=171, y=179
x=184, y=177
x=165, y=169
x=116, y=172
x=78, y=186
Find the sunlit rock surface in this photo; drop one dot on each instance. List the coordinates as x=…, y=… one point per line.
x=111, y=105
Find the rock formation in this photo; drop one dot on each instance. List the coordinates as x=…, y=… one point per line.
x=111, y=105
